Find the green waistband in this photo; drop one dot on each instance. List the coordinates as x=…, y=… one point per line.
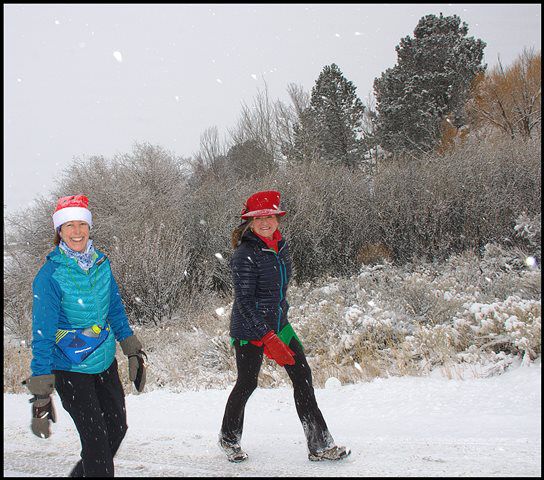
x=286, y=335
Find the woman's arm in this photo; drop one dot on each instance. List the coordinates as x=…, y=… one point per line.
x=244, y=275
x=45, y=319
x=117, y=315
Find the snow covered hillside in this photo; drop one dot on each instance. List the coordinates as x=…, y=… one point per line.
x=399, y=426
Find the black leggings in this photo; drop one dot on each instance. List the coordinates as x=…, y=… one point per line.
x=249, y=358
x=96, y=403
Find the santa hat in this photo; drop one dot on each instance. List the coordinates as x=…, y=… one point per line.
x=262, y=204
x=73, y=207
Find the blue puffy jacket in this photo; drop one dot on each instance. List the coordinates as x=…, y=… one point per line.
x=68, y=297
x=260, y=277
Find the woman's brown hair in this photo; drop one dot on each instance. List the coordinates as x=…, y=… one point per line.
x=237, y=233
x=56, y=240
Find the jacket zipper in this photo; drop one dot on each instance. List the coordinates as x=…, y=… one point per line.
x=280, y=263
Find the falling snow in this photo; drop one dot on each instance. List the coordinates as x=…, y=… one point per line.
x=531, y=262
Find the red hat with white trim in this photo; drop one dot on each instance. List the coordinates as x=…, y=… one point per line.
x=73, y=207
x=262, y=204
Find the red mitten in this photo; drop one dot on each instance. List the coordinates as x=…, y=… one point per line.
x=275, y=349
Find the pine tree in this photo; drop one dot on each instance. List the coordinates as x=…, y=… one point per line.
x=330, y=129
x=432, y=79
x=250, y=160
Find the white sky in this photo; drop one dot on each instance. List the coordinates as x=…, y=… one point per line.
x=93, y=79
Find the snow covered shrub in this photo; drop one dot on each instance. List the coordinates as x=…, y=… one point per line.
x=435, y=345
x=529, y=228
x=184, y=358
x=405, y=319
x=505, y=272
x=512, y=326
x=330, y=216
x=439, y=205
x=418, y=291
x=419, y=299
x=209, y=216
x=369, y=346
x=345, y=330
x=461, y=276
x=219, y=354
x=498, y=258
x=152, y=273
x=374, y=254
x=32, y=233
x=16, y=366
x=18, y=294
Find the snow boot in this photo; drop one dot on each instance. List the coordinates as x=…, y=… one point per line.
x=333, y=453
x=233, y=451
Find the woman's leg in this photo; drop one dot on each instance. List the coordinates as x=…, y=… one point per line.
x=84, y=397
x=248, y=363
x=317, y=433
x=112, y=400
x=78, y=395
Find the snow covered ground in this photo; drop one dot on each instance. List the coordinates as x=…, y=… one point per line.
x=424, y=426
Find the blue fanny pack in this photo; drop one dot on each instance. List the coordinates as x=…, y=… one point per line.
x=79, y=343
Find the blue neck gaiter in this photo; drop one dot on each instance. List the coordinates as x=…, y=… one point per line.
x=84, y=259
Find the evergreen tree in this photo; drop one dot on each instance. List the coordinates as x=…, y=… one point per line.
x=432, y=79
x=331, y=128
x=249, y=160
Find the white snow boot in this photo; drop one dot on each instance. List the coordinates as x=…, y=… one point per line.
x=233, y=451
x=333, y=453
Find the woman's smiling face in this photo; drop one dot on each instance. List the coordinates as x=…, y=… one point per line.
x=265, y=226
x=75, y=234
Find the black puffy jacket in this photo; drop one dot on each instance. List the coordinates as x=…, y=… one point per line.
x=260, y=277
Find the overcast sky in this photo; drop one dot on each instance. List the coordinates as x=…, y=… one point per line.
x=94, y=79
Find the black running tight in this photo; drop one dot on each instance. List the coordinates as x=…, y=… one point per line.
x=248, y=362
x=96, y=403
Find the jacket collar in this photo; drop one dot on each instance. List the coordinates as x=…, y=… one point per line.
x=249, y=236
x=57, y=256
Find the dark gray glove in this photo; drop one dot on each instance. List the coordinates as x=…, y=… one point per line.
x=132, y=348
x=43, y=411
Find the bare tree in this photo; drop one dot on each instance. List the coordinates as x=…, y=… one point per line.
x=299, y=97
x=210, y=159
x=270, y=124
x=509, y=99
x=256, y=123
x=211, y=147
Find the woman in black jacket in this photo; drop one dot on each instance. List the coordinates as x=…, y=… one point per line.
x=261, y=269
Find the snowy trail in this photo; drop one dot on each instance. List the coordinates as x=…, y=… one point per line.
x=396, y=427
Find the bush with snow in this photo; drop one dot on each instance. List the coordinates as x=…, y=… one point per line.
x=386, y=320
x=461, y=229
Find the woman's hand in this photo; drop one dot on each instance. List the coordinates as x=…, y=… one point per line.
x=43, y=411
x=275, y=349
x=132, y=348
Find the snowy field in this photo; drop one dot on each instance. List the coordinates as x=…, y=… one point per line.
x=414, y=427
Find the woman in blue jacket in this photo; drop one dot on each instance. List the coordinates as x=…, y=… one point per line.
x=261, y=269
x=77, y=317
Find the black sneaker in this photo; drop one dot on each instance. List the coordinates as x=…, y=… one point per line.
x=333, y=453
x=233, y=451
